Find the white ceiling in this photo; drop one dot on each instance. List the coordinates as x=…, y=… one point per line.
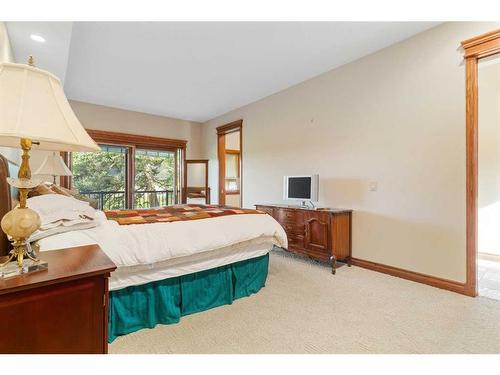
x=196, y=70
x=51, y=55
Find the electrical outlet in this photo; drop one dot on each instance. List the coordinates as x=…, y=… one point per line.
x=373, y=186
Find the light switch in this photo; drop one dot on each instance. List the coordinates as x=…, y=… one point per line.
x=373, y=186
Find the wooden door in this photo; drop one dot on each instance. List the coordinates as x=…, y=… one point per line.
x=475, y=49
x=317, y=234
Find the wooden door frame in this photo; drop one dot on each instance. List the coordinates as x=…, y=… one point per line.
x=221, y=148
x=207, y=190
x=476, y=48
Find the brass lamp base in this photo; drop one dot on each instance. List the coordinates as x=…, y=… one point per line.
x=19, y=252
x=20, y=223
x=29, y=266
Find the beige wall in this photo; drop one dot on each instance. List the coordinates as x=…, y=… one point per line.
x=119, y=120
x=489, y=157
x=395, y=118
x=5, y=50
x=6, y=56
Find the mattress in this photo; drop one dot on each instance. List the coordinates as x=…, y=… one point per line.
x=138, y=275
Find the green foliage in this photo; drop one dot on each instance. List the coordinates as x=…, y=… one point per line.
x=99, y=171
x=154, y=172
x=105, y=172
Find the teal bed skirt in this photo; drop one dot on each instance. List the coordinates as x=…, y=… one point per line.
x=165, y=301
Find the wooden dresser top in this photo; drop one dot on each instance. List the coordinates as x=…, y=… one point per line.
x=64, y=265
x=317, y=209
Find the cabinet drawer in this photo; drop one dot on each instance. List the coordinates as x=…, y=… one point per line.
x=323, y=217
x=290, y=216
x=296, y=242
x=293, y=229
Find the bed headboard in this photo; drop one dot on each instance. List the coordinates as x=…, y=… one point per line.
x=6, y=193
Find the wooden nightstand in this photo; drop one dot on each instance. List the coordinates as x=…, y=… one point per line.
x=60, y=310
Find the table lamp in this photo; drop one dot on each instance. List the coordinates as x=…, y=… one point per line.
x=54, y=166
x=34, y=113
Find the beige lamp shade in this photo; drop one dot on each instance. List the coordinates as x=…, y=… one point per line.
x=33, y=106
x=54, y=165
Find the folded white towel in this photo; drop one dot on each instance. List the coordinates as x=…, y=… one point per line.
x=59, y=214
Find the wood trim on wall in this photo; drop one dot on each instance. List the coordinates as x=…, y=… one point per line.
x=437, y=282
x=139, y=141
x=482, y=46
x=231, y=127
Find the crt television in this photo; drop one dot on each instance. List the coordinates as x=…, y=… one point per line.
x=301, y=188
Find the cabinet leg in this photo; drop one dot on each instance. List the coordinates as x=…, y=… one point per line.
x=333, y=261
x=349, y=261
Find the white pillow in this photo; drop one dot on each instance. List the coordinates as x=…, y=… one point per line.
x=56, y=210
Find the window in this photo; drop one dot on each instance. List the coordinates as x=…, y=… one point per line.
x=102, y=176
x=154, y=178
x=142, y=172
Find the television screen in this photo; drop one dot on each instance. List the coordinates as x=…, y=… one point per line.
x=299, y=188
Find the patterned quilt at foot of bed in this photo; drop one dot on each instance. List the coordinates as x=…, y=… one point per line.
x=168, y=214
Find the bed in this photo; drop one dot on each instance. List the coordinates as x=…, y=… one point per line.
x=170, y=266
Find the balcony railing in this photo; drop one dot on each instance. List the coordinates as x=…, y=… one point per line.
x=116, y=200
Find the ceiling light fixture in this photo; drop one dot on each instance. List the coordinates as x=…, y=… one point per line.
x=37, y=38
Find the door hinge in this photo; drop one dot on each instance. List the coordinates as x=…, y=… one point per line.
x=104, y=300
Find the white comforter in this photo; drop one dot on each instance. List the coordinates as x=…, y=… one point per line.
x=144, y=244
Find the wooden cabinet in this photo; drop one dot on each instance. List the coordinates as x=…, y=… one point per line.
x=323, y=234
x=60, y=310
x=317, y=236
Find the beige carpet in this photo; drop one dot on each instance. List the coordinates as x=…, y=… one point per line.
x=305, y=309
